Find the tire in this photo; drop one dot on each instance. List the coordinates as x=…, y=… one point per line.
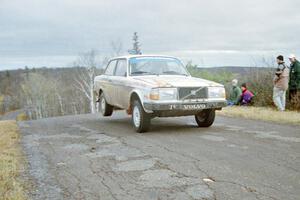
x=140, y=119
x=105, y=108
x=205, y=118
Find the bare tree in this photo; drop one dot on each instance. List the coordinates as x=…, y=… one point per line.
x=84, y=82
x=117, y=48
x=59, y=97
x=37, y=91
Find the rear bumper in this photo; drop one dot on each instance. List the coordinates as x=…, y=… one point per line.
x=182, y=109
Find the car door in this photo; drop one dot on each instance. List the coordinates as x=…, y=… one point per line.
x=108, y=82
x=121, y=83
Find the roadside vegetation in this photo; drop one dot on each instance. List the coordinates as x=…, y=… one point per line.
x=11, y=162
x=49, y=92
x=262, y=113
x=258, y=79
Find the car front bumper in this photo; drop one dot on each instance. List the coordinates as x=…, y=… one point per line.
x=182, y=108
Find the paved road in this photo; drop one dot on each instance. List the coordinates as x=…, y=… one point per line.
x=90, y=157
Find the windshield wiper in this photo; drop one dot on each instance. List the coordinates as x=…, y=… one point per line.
x=142, y=72
x=174, y=73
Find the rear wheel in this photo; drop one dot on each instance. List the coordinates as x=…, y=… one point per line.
x=105, y=108
x=140, y=119
x=205, y=118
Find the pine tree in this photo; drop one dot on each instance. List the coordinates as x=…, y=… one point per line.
x=7, y=74
x=136, y=45
x=27, y=72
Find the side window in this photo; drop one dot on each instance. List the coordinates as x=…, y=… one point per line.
x=110, y=68
x=121, y=69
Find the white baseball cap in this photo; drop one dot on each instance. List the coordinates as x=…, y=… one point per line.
x=292, y=56
x=234, y=82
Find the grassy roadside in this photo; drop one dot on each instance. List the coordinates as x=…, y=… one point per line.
x=11, y=162
x=262, y=113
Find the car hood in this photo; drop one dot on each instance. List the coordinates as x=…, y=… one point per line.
x=175, y=81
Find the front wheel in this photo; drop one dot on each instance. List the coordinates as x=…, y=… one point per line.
x=140, y=119
x=205, y=118
x=105, y=108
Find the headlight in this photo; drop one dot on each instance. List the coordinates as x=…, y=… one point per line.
x=216, y=92
x=163, y=94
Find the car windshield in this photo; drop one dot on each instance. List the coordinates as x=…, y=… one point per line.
x=156, y=66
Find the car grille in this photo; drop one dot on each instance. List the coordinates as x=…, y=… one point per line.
x=192, y=93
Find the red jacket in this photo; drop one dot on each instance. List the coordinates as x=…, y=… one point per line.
x=246, y=97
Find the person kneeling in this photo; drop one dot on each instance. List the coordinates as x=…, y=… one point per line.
x=247, y=96
x=235, y=94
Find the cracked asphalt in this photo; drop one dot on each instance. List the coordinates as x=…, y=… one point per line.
x=91, y=157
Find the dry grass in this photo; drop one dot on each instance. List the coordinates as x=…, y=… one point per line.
x=1, y=102
x=11, y=162
x=262, y=113
x=22, y=117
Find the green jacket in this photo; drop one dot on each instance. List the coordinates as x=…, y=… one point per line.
x=235, y=94
x=294, y=83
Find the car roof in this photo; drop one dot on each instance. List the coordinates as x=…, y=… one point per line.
x=143, y=55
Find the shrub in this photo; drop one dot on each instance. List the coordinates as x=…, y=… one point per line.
x=259, y=81
x=22, y=117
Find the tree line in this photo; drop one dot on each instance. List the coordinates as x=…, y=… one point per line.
x=48, y=92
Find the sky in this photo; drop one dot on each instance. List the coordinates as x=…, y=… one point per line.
x=52, y=33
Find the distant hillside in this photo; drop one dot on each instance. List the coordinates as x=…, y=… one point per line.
x=59, y=71
x=240, y=71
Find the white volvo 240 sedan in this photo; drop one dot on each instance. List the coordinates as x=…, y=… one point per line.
x=149, y=86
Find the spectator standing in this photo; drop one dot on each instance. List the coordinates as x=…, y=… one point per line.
x=294, y=83
x=235, y=94
x=281, y=81
x=247, y=96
